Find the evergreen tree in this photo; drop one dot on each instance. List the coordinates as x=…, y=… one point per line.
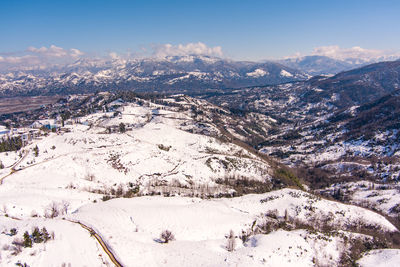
x=36, y=151
x=27, y=240
x=122, y=128
x=45, y=234
x=37, y=236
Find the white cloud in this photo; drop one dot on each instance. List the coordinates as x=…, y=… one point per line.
x=20, y=59
x=40, y=57
x=76, y=52
x=199, y=48
x=55, y=51
x=354, y=54
x=113, y=55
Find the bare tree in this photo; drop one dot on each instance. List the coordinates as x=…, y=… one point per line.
x=52, y=210
x=4, y=209
x=65, y=207
x=231, y=242
x=286, y=215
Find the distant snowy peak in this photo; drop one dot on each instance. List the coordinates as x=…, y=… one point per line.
x=286, y=73
x=257, y=73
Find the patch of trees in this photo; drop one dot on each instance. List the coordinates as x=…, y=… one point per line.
x=27, y=240
x=288, y=177
x=10, y=144
x=244, y=185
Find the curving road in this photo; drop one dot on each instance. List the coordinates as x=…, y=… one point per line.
x=12, y=169
x=101, y=242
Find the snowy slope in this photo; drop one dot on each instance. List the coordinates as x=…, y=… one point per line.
x=133, y=226
x=71, y=244
x=380, y=258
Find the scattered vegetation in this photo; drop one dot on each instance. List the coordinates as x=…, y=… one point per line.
x=245, y=185
x=114, y=159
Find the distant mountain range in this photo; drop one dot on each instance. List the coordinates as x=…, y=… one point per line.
x=172, y=74
x=187, y=74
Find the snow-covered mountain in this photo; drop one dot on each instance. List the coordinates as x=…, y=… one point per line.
x=173, y=74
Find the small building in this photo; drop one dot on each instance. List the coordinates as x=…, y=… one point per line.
x=48, y=124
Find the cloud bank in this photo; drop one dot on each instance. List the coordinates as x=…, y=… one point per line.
x=44, y=57
x=40, y=58
x=354, y=54
x=165, y=50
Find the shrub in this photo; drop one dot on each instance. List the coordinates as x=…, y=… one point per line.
x=162, y=147
x=122, y=128
x=22, y=264
x=13, y=231
x=167, y=236
x=244, y=236
x=106, y=197
x=17, y=246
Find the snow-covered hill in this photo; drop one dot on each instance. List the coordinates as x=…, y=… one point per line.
x=145, y=167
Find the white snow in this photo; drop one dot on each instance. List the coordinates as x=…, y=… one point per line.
x=257, y=73
x=285, y=73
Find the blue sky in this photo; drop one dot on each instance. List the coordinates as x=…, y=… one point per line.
x=243, y=29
